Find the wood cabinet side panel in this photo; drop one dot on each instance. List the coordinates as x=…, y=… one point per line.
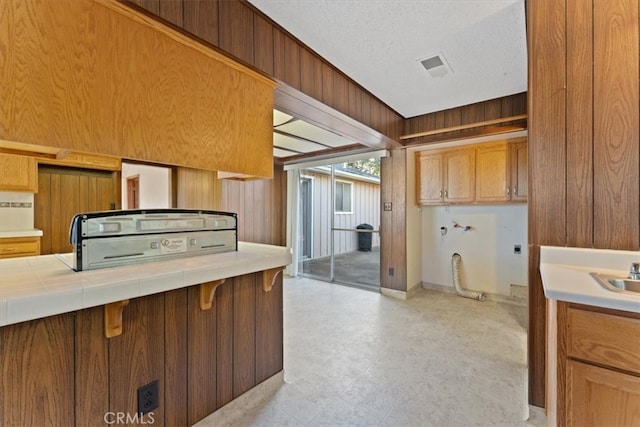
x=244, y=333
x=37, y=372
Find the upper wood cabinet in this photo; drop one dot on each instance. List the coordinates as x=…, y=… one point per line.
x=484, y=173
x=139, y=89
x=445, y=176
x=19, y=173
x=493, y=173
x=519, y=173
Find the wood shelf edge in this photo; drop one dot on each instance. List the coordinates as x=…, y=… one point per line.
x=269, y=278
x=208, y=292
x=113, y=318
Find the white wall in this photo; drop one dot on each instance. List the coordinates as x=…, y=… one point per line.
x=488, y=261
x=414, y=226
x=155, y=185
x=16, y=211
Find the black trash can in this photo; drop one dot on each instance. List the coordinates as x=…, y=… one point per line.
x=364, y=239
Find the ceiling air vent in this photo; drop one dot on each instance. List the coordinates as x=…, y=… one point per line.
x=436, y=65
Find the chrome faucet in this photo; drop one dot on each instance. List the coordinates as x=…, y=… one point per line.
x=634, y=272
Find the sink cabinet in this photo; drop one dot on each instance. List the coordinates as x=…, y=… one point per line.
x=594, y=364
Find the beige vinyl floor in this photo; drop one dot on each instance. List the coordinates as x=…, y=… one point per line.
x=358, y=358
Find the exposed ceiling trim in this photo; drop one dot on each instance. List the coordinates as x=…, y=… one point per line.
x=467, y=126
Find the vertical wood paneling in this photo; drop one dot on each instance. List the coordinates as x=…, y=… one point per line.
x=224, y=343
x=547, y=165
x=37, y=380
x=198, y=189
x=269, y=331
x=64, y=192
x=341, y=93
x=152, y=6
x=176, y=362
x=616, y=125
x=202, y=345
x=580, y=130
x=291, y=62
x=244, y=334
x=263, y=45
x=328, y=90
x=171, y=10
x=236, y=30
x=201, y=19
x=355, y=107
x=136, y=357
x=91, y=364
x=392, y=223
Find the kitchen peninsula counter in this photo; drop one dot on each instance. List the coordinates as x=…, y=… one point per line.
x=77, y=348
x=35, y=287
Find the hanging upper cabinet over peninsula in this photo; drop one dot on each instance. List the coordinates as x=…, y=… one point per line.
x=96, y=76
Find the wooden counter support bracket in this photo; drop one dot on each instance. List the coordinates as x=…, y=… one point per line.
x=269, y=278
x=113, y=318
x=207, y=292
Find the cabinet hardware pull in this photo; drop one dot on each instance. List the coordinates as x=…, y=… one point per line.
x=446, y=195
x=8, y=249
x=508, y=190
x=515, y=190
x=441, y=194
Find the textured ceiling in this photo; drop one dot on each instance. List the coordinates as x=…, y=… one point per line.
x=379, y=44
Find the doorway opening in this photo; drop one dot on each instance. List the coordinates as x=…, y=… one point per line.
x=133, y=192
x=339, y=221
x=145, y=186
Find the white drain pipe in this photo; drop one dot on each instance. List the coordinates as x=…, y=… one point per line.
x=455, y=267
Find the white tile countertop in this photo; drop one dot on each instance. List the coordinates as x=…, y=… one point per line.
x=21, y=233
x=565, y=276
x=40, y=286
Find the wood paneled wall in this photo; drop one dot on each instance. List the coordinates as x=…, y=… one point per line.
x=261, y=206
x=242, y=31
x=498, y=108
x=64, y=192
x=584, y=147
x=393, y=224
x=198, y=189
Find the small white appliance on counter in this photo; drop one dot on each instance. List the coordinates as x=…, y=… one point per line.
x=114, y=238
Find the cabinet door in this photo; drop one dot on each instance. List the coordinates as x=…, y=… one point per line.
x=460, y=167
x=519, y=177
x=492, y=173
x=601, y=397
x=429, y=178
x=19, y=173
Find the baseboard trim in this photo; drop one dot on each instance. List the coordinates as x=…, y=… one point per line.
x=393, y=293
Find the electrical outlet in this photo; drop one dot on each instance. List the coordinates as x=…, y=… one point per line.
x=391, y=271
x=517, y=249
x=148, y=398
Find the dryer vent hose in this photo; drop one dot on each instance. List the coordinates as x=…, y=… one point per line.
x=455, y=267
